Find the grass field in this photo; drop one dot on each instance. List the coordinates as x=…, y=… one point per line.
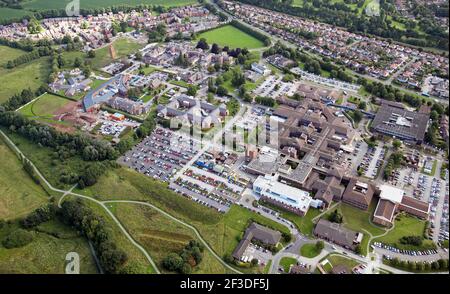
x=160, y=235
x=232, y=37
x=12, y=14
x=20, y=194
x=46, y=254
x=359, y=221
x=309, y=250
x=337, y=259
x=31, y=75
x=8, y=53
x=135, y=257
x=287, y=262
x=406, y=226
x=44, y=106
x=222, y=232
x=42, y=157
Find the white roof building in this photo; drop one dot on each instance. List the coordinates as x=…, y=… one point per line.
x=269, y=187
x=393, y=194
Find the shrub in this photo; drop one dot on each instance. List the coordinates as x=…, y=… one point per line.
x=17, y=239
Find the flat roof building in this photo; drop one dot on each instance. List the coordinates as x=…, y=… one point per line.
x=268, y=188
x=394, y=120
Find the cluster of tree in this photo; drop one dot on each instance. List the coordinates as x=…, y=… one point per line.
x=40, y=215
x=181, y=60
x=222, y=16
x=28, y=57
x=158, y=34
x=233, y=106
x=14, y=4
x=391, y=93
x=90, y=149
x=28, y=167
x=266, y=101
x=341, y=15
x=419, y=266
x=69, y=43
x=411, y=240
x=121, y=27
x=394, y=162
x=186, y=260
x=17, y=238
x=147, y=127
x=76, y=214
x=26, y=45
x=336, y=217
x=34, y=26
x=22, y=98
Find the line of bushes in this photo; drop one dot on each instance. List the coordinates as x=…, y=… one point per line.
x=419, y=266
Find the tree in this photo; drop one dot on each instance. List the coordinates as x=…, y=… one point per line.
x=320, y=245
x=358, y=249
x=335, y=217
x=91, y=54
x=202, y=44
x=362, y=105
x=138, y=55
x=77, y=62
x=254, y=262
x=222, y=91
x=17, y=238
x=192, y=90
x=215, y=48
x=396, y=144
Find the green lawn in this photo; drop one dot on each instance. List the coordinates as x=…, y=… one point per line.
x=31, y=75
x=222, y=232
x=160, y=235
x=309, y=250
x=20, y=194
x=46, y=254
x=406, y=226
x=8, y=14
x=287, y=262
x=232, y=37
x=45, y=106
x=337, y=259
x=303, y=223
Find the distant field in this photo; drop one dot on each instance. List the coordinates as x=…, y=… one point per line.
x=12, y=14
x=19, y=193
x=31, y=75
x=160, y=235
x=61, y=4
x=46, y=254
x=8, y=53
x=232, y=37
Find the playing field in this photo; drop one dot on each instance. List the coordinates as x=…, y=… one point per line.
x=232, y=37
x=44, y=107
x=31, y=75
x=19, y=193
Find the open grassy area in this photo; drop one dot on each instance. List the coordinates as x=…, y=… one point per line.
x=44, y=106
x=42, y=157
x=303, y=223
x=136, y=258
x=232, y=37
x=19, y=193
x=337, y=259
x=7, y=14
x=287, y=262
x=31, y=75
x=46, y=254
x=8, y=53
x=222, y=231
x=160, y=235
x=406, y=226
x=309, y=250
